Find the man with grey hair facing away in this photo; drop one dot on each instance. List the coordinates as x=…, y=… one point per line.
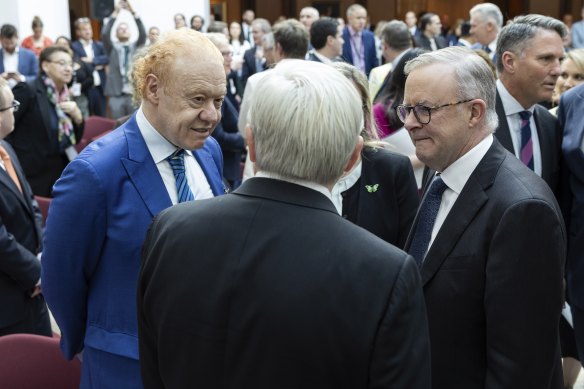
x=489, y=236
x=396, y=40
x=303, y=298
x=530, y=51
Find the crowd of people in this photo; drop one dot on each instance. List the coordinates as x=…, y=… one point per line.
x=303, y=204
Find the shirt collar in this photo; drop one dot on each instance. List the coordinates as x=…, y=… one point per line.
x=457, y=174
x=159, y=147
x=311, y=185
x=354, y=33
x=510, y=104
x=321, y=57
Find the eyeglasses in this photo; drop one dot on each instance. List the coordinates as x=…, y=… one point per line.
x=15, y=105
x=227, y=53
x=422, y=113
x=62, y=63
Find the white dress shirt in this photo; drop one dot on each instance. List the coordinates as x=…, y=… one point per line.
x=160, y=149
x=307, y=184
x=88, y=47
x=345, y=183
x=512, y=109
x=455, y=177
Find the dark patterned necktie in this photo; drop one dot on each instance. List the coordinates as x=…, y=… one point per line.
x=177, y=163
x=526, y=154
x=427, y=217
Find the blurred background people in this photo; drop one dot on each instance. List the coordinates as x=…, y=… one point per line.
x=180, y=21
x=326, y=38
x=121, y=54
x=48, y=124
x=93, y=53
x=571, y=75
x=197, y=23
x=81, y=81
x=153, y=34
x=17, y=64
x=227, y=134
x=430, y=37
x=22, y=306
x=37, y=41
x=359, y=48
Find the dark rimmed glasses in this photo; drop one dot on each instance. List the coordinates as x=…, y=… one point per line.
x=15, y=105
x=422, y=113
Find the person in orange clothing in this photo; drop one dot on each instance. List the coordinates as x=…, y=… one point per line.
x=37, y=41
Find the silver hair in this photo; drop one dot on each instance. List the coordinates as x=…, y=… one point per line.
x=312, y=10
x=474, y=78
x=353, y=8
x=217, y=38
x=517, y=36
x=264, y=25
x=305, y=120
x=489, y=12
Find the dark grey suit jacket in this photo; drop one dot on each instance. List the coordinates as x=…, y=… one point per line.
x=550, y=141
x=115, y=80
x=20, y=241
x=493, y=281
x=269, y=287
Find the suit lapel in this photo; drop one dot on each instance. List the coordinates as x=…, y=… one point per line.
x=503, y=133
x=44, y=107
x=207, y=163
x=142, y=170
x=546, y=142
x=470, y=201
x=5, y=180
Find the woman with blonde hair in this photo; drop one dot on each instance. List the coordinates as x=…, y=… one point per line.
x=380, y=192
x=572, y=74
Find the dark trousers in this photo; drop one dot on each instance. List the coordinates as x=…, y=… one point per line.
x=96, y=101
x=578, y=320
x=35, y=321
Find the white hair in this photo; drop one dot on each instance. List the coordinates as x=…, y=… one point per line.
x=305, y=120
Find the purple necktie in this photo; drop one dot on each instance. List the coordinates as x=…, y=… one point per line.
x=526, y=154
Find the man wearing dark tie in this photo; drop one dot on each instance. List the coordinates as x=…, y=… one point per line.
x=107, y=197
x=269, y=286
x=529, y=51
x=489, y=236
x=22, y=306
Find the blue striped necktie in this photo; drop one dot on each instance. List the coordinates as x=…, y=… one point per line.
x=177, y=163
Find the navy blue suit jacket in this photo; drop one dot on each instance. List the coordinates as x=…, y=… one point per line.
x=369, y=45
x=231, y=142
x=28, y=64
x=570, y=118
x=100, y=57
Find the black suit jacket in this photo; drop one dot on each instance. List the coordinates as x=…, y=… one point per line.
x=423, y=42
x=550, y=141
x=20, y=241
x=386, y=198
x=279, y=292
x=248, y=67
x=231, y=142
x=36, y=131
x=493, y=281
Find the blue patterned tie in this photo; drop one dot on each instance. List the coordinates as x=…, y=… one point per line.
x=526, y=154
x=177, y=163
x=427, y=217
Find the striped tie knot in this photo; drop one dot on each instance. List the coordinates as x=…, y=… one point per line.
x=177, y=163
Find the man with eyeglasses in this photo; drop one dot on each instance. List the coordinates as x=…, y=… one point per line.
x=22, y=306
x=488, y=238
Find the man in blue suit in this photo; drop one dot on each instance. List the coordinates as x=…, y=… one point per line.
x=93, y=53
x=359, y=47
x=570, y=118
x=17, y=64
x=106, y=198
